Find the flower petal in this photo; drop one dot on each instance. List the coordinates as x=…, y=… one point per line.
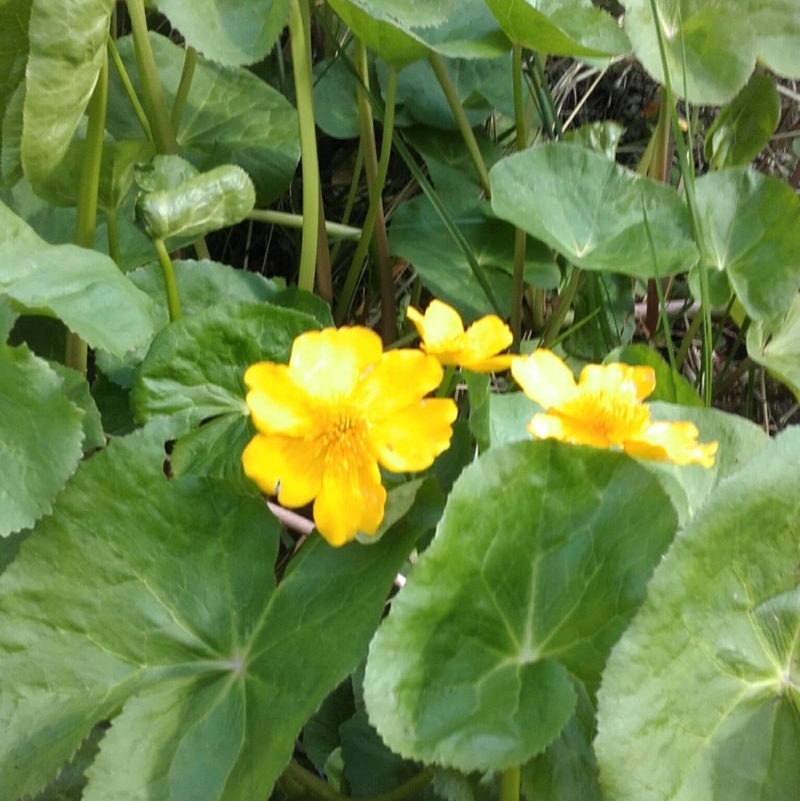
x=486, y=337
x=546, y=426
x=277, y=404
x=352, y=499
x=673, y=442
x=413, y=437
x=544, y=378
x=287, y=466
x=494, y=364
x=329, y=363
x=438, y=327
x=617, y=378
x=400, y=378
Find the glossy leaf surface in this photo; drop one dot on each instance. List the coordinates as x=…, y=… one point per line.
x=67, y=41
x=37, y=460
x=717, y=41
x=195, y=370
x=83, y=288
x=750, y=224
x=560, y=27
x=232, y=32
x=596, y=213
x=170, y=623
x=700, y=698
x=231, y=117
x=531, y=577
x=744, y=126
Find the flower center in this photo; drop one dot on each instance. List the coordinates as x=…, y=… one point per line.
x=343, y=435
x=614, y=417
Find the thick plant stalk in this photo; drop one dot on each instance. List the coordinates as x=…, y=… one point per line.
x=300, y=35
x=154, y=103
x=170, y=282
x=509, y=784
x=185, y=84
x=461, y=120
x=687, y=172
x=76, y=351
x=374, y=224
x=520, y=238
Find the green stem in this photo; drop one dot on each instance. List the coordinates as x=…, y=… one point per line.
x=184, y=86
x=520, y=239
x=127, y=85
x=112, y=231
x=287, y=220
x=154, y=102
x=311, y=787
x=351, y=197
x=688, y=182
x=686, y=342
x=86, y=223
x=562, y=307
x=509, y=784
x=170, y=282
x=461, y=120
x=447, y=382
x=374, y=223
x=300, y=36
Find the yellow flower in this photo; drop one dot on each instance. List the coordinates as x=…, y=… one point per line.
x=327, y=420
x=443, y=336
x=605, y=410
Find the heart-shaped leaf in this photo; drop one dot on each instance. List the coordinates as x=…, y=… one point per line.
x=775, y=344
x=700, y=697
x=610, y=219
x=538, y=563
x=750, y=224
x=231, y=117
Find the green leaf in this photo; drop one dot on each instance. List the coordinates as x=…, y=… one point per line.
x=197, y=206
x=538, y=563
x=231, y=117
x=169, y=624
x=714, y=40
x=401, y=33
x=751, y=230
x=67, y=48
x=40, y=438
x=603, y=137
x=201, y=285
x=481, y=85
x=509, y=414
x=321, y=733
x=14, y=19
x=700, y=697
x=561, y=27
x=777, y=26
x=671, y=386
x=418, y=235
x=776, y=346
x=230, y=33
x=611, y=219
x=195, y=370
x=83, y=288
x=70, y=782
x=77, y=390
x=744, y=126
x=567, y=770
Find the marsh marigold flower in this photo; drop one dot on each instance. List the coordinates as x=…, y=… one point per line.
x=443, y=336
x=337, y=411
x=604, y=409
